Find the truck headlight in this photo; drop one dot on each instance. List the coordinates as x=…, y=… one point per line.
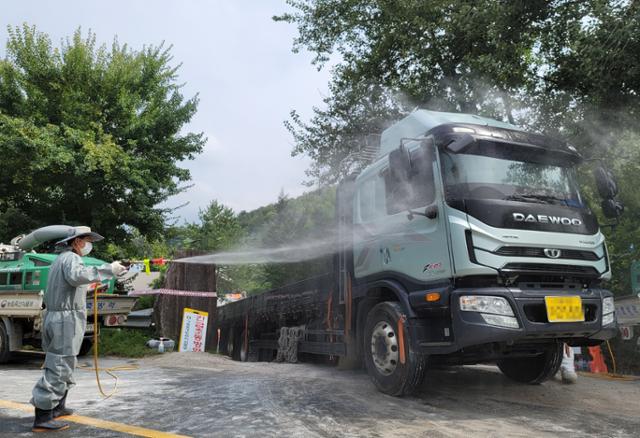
x=501, y=321
x=607, y=319
x=607, y=305
x=494, y=310
x=486, y=304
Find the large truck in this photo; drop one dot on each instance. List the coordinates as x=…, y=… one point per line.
x=23, y=282
x=466, y=240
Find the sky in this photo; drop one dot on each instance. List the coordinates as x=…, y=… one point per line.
x=240, y=63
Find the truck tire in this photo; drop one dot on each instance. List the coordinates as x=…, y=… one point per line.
x=5, y=353
x=533, y=370
x=86, y=347
x=381, y=351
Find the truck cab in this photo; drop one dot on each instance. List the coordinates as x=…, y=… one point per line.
x=470, y=236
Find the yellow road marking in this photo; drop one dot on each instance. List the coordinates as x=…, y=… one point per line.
x=95, y=422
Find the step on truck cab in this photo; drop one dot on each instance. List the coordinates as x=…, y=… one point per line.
x=467, y=240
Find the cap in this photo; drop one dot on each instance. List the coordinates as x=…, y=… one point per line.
x=83, y=232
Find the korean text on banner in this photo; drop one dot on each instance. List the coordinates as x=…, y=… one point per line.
x=194, y=330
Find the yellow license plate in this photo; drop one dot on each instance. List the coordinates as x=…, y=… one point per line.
x=564, y=309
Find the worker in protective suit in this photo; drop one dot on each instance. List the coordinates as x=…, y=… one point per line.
x=64, y=323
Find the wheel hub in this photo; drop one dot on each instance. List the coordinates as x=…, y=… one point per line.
x=384, y=348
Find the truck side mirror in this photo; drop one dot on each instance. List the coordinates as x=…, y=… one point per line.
x=427, y=151
x=399, y=164
x=398, y=179
x=606, y=184
x=422, y=158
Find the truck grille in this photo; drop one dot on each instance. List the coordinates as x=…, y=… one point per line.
x=542, y=268
x=524, y=251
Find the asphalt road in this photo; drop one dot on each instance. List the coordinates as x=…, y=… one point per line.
x=208, y=395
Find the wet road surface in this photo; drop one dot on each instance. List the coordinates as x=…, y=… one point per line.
x=209, y=395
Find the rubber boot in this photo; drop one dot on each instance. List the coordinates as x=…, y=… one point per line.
x=61, y=410
x=44, y=422
x=568, y=366
x=568, y=375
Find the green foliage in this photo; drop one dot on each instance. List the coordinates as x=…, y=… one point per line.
x=295, y=222
x=623, y=240
x=309, y=218
x=125, y=342
x=145, y=302
x=158, y=282
x=90, y=135
x=218, y=229
x=446, y=55
x=567, y=68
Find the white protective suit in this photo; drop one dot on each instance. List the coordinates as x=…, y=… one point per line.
x=65, y=320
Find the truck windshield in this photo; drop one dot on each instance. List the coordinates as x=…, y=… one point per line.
x=473, y=176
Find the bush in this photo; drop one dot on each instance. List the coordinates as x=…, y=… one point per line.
x=125, y=342
x=145, y=302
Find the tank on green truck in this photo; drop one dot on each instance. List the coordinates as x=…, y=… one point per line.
x=23, y=282
x=467, y=240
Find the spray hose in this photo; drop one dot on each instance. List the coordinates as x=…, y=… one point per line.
x=109, y=371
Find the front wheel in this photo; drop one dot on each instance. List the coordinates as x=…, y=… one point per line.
x=533, y=370
x=386, y=339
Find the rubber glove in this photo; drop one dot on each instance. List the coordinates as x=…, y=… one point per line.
x=118, y=268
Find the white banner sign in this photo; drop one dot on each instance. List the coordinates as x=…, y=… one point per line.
x=628, y=310
x=194, y=330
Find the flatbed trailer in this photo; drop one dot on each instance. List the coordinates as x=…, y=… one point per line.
x=251, y=328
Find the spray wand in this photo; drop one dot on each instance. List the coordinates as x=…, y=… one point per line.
x=146, y=263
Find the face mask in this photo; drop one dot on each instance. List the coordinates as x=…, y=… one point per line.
x=86, y=249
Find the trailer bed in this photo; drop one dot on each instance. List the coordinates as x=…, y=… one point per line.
x=306, y=298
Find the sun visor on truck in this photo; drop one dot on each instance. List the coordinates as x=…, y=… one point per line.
x=507, y=144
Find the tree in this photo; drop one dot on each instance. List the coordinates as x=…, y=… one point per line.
x=564, y=67
x=445, y=55
x=588, y=86
x=339, y=136
x=306, y=223
x=90, y=135
x=218, y=229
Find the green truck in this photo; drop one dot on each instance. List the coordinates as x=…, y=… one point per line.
x=23, y=281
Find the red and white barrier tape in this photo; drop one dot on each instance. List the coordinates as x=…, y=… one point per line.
x=180, y=293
